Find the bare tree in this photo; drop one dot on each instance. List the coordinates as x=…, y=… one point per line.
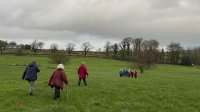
x=107, y=48
x=53, y=47
x=122, y=46
x=196, y=55
x=115, y=48
x=125, y=48
x=153, y=47
x=2, y=45
x=40, y=45
x=174, y=50
x=86, y=47
x=137, y=43
x=35, y=46
x=70, y=47
x=161, y=58
x=128, y=41
x=147, y=53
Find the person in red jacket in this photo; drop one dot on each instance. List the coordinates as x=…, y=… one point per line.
x=57, y=79
x=135, y=74
x=82, y=72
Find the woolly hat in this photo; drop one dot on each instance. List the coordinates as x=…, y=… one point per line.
x=60, y=66
x=82, y=63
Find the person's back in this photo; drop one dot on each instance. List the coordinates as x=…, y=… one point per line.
x=30, y=74
x=58, y=77
x=57, y=80
x=82, y=73
x=126, y=73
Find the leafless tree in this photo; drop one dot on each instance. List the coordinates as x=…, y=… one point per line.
x=41, y=45
x=53, y=47
x=35, y=46
x=115, y=49
x=137, y=43
x=70, y=47
x=2, y=45
x=125, y=48
x=128, y=41
x=86, y=47
x=196, y=55
x=107, y=48
x=161, y=57
x=147, y=54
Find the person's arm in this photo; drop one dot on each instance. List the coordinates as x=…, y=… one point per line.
x=24, y=74
x=86, y=71
x=37, y=69
x=51, y=79
x=64, y=77
x=78, y=70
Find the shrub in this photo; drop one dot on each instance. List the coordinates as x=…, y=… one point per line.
x=59, y=57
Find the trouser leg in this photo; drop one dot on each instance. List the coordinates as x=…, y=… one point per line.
x=79, y=81
x=84, y=80
x=135, y=76
x=31, y=88
x=57, y=92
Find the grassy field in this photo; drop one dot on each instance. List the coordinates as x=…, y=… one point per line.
x=165, y=88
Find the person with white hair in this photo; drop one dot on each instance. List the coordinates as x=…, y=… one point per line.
x=82, y=73
x=57, y=80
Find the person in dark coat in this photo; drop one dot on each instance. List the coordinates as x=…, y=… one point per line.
x=30, y=74
x=82, y=73
x=132, y=73
x=120, y=72
x=57, y=80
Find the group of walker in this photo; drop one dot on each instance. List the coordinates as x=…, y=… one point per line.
x=57, y=79
x=128, y=73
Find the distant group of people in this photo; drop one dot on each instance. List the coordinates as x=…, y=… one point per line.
x=128, y=73
x=57, y=79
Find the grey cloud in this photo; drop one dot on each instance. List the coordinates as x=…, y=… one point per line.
x=100, y=19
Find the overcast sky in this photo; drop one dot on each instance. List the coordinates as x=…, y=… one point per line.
x=98, y=21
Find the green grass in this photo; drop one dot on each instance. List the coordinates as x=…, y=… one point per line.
x=165, y=88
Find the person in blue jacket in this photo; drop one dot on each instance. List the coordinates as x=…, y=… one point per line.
x=30, y=74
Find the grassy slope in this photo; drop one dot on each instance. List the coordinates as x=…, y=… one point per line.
x=165, y=88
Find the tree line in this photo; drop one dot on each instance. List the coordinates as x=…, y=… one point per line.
x=147, y=52
x=144, y=52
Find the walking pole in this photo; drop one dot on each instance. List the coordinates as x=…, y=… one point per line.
x=67, y=89
x=67, y=92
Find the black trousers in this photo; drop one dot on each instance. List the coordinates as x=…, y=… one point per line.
x=57, y=92
x=84, y=80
